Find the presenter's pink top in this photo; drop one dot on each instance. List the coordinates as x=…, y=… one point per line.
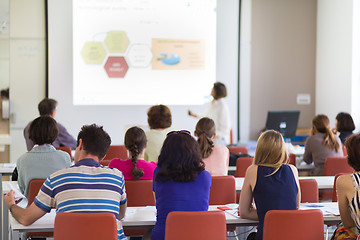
x=126, y=166
x=217, y=163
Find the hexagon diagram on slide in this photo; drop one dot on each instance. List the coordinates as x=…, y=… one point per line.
x=116, y=67
x=93, y=53
x=116, y=41
x=139, y=55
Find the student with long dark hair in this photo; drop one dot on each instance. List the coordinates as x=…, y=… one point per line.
x=344, y=125
x=135, y=167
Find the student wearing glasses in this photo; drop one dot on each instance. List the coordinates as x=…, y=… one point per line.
x=180, y=182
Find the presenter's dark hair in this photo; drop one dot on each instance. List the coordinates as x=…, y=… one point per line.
x=135, y=142
x=219, y=90
x=345, y=123
x=95, y=140
x=159, y=117
x=47, y=106
x=352, y=144
x=43, y=130
x=179, y=158
x=205, y=130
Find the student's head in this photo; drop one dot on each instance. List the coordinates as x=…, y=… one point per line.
x=159, y=117
x=219, y=91
x=321, y=124
x=135, y=142
x=95, y=140
x=47, y=107
x=43, y=130
x=352, y=144
x=179, y=158
x=205, y=131
x=270, y=150
x=344, y=122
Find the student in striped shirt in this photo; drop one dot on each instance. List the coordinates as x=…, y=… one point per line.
x=85, y=187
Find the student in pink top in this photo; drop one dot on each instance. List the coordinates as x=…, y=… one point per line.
x=216, y=158
x=135, y=167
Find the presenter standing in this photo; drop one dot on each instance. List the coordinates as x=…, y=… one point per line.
x=218, y=111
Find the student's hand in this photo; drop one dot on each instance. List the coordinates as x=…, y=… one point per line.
x=191, y=113
x=334, y=131
x=9, y=198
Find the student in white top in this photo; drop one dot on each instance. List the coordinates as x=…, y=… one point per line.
x=218, y=111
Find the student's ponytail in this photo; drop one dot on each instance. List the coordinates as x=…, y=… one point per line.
x=205, y=130
x=135, y=141
x=322, y=124
x=330, y=141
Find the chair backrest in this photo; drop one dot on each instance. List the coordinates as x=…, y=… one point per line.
x=223, y=190
x=105, y=162
x=309, y=190
x=292, y=159
x=344, y=150
x=231, y=137
x=334, y=196
x=294, y=225
x=34, y=187
x=210, y=225
x=334, y=165
x=242, y=165
x=65, y=149
x=139, y=193
x=116, y=151
x=238, y=149
x=78, y=226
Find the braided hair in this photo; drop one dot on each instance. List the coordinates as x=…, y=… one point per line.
x=135, y=141
x=205, y=130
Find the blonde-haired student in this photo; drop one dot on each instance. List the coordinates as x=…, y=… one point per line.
x=270, y=181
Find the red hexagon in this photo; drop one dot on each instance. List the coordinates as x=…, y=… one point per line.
x=116, y=67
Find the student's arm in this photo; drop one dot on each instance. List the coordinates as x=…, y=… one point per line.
x=122, y=210
x=246, y=207
x=24, y=216
x=308, y=153
x=296, y=176
x=345, y=191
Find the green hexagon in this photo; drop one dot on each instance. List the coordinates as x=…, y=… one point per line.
x=117, y=41
x=93, y=53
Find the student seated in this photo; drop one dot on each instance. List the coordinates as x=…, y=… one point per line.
x=180, y=182
x=344, y=124
x=86, y=182
x=321, y=144
x=43, y=159
x=272, y=183
x=135, y=167
x=348, y=192
x=215, y=158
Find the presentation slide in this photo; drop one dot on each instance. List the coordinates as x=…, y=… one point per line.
x=143, y=52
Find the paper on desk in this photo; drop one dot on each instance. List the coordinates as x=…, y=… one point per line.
x=9, y=165
x=18, y=195
x=234, y=209
x=327, y=211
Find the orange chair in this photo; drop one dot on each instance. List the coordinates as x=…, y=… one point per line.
x=34, y=187
x=294, y=225
x=334, y=165
x=223, y=190
x=66, y=149
x=292, y=159
x=116, y=151
x=105, y=162
x=241, y=166
x=238, y=149
x=210, y=225
x=309, y=190
x=334, y=195
x=83, y=226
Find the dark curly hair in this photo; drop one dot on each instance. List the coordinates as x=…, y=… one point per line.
x=159, y=116
x=352, y=144
x=135, y=141
x=179, y=159
x=345, y=122
x=43, y=130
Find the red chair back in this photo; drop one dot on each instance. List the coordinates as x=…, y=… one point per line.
x=241, y=166
x=292, y=159
x=210, y=225
x=34, y=187
x=309, y=190
x=67, y=150
x=334, y=165
x=223, y=190
x=75, y=226
x=334, y=195
x=238, y=149
x=105, y=162
x=116, y=151
x=139, y=193
x=294, y=225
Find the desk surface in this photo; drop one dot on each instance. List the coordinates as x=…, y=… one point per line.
x=7, y=168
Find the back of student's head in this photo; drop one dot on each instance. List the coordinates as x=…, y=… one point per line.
x=159, y=117
x=345, y=122
x=219, y=90
x=95, y=140
x=270, y=150
x=47, y=106
x=43, y=130
x=179, y=158
x=322, y=124
x=135, y=142
x=352, y=144
x=205, y=130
